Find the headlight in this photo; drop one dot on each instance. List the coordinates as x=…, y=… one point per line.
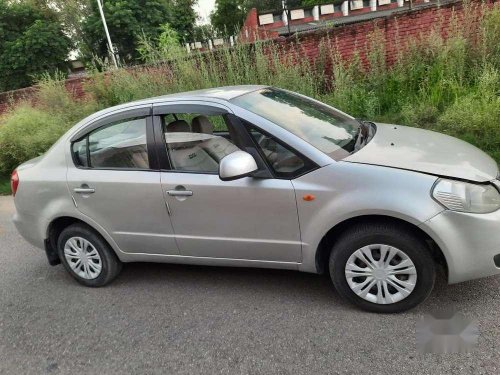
x=466, y=197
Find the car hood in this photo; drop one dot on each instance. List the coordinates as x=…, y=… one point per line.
x=426, y=151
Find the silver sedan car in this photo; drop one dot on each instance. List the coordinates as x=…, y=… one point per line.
x=255, y=176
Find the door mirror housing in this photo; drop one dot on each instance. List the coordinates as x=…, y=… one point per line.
x=236, y=165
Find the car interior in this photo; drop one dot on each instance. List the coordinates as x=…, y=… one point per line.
x=195, y=147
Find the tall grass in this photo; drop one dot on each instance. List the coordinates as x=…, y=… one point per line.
x=4, y=185
x=447, y=84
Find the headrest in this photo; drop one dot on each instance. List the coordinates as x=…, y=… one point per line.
x=201, y=124
x=178, y=126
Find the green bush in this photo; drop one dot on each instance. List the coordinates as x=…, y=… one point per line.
x=475, y=117
x=4, y=185
x=27, y=131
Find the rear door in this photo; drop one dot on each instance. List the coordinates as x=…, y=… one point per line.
x=114, y=179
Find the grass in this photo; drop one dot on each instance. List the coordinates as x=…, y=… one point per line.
x=451, y=85
x=4, y=185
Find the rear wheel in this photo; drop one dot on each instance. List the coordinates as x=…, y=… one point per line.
x=87, y=256
x=382, y=268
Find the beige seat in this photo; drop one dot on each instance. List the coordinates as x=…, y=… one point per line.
x=193, y=159
x=201, y=124
x=217, y=147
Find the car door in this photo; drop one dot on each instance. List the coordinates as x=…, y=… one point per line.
x=114, y=180
x=249, y=219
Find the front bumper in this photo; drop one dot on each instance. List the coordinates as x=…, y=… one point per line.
x=469, y=242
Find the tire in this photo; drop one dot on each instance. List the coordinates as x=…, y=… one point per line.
x=110, y=265
x=374, y=238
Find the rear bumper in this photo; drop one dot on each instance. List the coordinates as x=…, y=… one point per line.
x=470, y=243
x=28, y=227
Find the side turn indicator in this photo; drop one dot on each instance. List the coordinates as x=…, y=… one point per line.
x=308, y=197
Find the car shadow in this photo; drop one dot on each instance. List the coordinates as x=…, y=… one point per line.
x=288, y=287
x=230, y=280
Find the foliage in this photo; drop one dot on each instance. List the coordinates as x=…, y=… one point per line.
x=450, y=85
x=4, y=185
x=166, y=47
x=31, y=42
x=228, y=16
x=28, y=131
x=71, y=14
x=127, y=20
x=131, y=21
x=182, y=18
x=204, y=32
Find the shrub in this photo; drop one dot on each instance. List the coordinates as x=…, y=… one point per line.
x=475, y=117
x=27, y=133
x=28, y=130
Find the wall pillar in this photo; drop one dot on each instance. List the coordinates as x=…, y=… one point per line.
x=316, y=12
x=345, y=8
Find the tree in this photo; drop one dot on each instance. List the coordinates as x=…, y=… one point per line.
x=130, y=21
x=182, y=18
x=31, y=43
x=203, y=32
x=228, y=16
x=71, y=14
x=166, y=47
x=127, y=20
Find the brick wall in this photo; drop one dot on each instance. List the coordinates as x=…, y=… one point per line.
x=9, y=98
x=396, y=30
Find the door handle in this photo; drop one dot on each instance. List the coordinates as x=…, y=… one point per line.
x=180, y=193
x=84, y=190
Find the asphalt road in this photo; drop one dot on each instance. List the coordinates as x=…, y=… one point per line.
x=173, y=319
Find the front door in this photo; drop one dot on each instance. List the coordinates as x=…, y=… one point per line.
x=250, y=218
x=243, y=219
x=113, y=183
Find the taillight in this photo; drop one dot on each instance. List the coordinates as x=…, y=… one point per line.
x=14, y=182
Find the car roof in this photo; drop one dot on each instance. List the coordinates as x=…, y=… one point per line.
x=223, y=93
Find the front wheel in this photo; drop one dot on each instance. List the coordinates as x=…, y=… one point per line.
x=382, y=268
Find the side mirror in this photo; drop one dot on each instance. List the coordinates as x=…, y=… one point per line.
x=236, y=165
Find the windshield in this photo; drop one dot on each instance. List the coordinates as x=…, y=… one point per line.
x=325, y=128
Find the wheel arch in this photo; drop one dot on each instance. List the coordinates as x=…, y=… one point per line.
x=325, y=245
x=58, y=224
